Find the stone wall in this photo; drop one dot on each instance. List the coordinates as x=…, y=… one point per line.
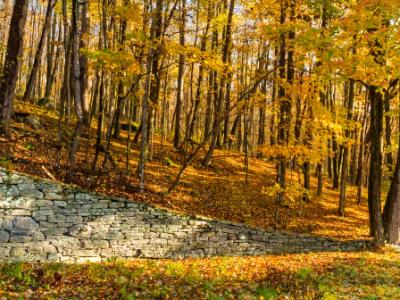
x=48, y=221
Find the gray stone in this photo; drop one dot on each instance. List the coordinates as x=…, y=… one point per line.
x=58, y=218
x=26, y=187
x=48, y=248
x=7, y=223
x=24, y=225
x=113, y=235
x=24, y=203
x=55, y=231
x=20, y=238
x=20, y=212
x=68, y=211
x=83, y=196
x=31, y=194
x=38, y=236
x=52, y=196
x=12, y=192
x=96, y=244
x=4, y=253
x=242, y=237
x=99, y=205
x=14, y=178
x=62, y=241
x=4, y=236
x=42, y=213
x=117, y=204
x=82, y=231
x=18, y=252
x=44, y=203
x=60, y=203
x=48, y=188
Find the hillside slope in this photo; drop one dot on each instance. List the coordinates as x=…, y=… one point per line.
x=220, y=191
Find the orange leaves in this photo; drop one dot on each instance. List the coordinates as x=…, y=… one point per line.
x=334, y=275
x=218, y=192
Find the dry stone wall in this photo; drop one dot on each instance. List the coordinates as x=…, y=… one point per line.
x=48, y=221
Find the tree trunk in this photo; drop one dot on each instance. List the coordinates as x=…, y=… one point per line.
x=181, y=70
x=319, y=177
x=52, y=53
x=391, y=211
x=284, y=116
x=361, y=152
x=12, y=63
x=83, y=60
x=346, y=150
x=353, y=160
x=65, y=95
x=388, y=134
x=335, y=163
x=199, y=81
x=375, y=171
x=39, y=51
x=145, y=99
x=77, y=88
x=156, y=28
x=100, y=118
x=220, y=96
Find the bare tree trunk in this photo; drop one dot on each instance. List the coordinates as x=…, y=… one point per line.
x=220, y=96
x=361, y=152
x=83, y=60
x=181, y=71
x=208, y=114
x=388, y=133
x=199, y=82
x=375, y=171
x=39, y=51
x=391, y=211
x=344, y=171
x=100, y=118
x=52, y=53
x=353, y=160
x=118, y=111
x=12, y=61
x=145, y=99
x=319, y=177
x=335, y=162
x=65, y=95
x=157, y=26
x=284, y=117
x=77, y=88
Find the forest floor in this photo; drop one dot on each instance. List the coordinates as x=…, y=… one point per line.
x=219, y=192
x=353, y=275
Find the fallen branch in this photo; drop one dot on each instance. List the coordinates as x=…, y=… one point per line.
x=51, y=176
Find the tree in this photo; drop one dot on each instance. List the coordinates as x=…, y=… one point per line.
x=12, y=63
x=39, y=50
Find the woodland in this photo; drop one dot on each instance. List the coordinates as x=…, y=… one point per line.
x=280, y=114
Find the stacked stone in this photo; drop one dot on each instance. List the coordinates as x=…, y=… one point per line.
x=48, y=221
